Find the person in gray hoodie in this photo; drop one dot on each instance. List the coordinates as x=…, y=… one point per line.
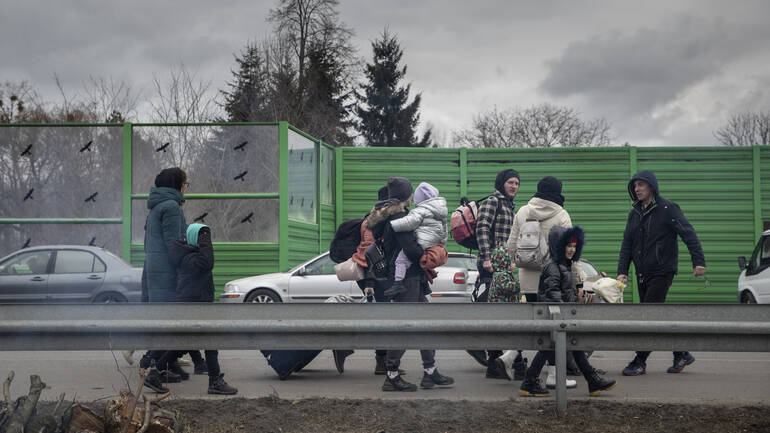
x=428, y=221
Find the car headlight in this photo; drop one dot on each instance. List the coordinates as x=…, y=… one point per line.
x=231, y=288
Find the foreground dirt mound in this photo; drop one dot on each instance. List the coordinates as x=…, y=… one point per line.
x=327, y=415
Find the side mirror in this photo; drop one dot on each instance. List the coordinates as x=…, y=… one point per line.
x=603, y=274
x=742, y=263
x=301, y=272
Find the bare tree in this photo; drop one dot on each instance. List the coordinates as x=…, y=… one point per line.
x=745, y=129
x=107, y=100
x=20, y=103
x=542, y=125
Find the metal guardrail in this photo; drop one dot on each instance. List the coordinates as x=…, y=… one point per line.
x=559, y=327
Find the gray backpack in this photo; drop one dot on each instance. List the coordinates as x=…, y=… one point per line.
x=531, y=246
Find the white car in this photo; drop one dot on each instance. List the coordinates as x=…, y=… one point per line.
x=754, y=281
x=315, y=281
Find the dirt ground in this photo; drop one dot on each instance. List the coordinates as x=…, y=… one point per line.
x=379, y=416
x=332, y=415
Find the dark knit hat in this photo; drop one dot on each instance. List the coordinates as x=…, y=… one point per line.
x=503, y=177
x=549, y=188
x=382, y=193
x=399, y=188
x=171, y=178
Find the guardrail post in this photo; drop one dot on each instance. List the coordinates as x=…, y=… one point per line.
x=560, y=338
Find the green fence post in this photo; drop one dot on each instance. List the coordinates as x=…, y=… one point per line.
x=633, y=167
x=757, y=177
x=283, y=196
x=319, y=184
x=463, y=172
x=127, y=181
x=338, y=186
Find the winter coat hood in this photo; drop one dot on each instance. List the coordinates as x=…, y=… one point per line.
x=542, y=209
x=647, y=176
x=559, y=237
x=160, y=194
x=178, y=251
x=384, y=210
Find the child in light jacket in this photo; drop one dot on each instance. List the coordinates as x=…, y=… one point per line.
x=428, y=221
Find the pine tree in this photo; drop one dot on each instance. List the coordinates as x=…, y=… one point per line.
x=386, y=116
x=248, y=97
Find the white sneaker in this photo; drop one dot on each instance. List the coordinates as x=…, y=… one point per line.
x=504, y=363
x=550, y=381
x=128, y=355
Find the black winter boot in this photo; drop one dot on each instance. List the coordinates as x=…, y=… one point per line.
x=217, y=385
x=597, y=384
x=519, y=368
x=531, y=387
x=154, y=382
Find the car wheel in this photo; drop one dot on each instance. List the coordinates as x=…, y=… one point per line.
x=747, y=298
x=263, y=296
x=109, y=298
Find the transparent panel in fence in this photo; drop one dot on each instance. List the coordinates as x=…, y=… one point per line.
x=217, y=159
x=14, y=237
x=231, y=220
x=61, y=172
x=327, y=175
x=303, y=175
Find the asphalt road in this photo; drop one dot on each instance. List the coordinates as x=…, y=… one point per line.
x=715, y=377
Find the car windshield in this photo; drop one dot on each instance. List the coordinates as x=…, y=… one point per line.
x=589, y=269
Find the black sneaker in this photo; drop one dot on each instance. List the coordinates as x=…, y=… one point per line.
x=531, y=387
x=635, y=368
x=493, y=372
x=519, y=369
x=398, y=384
x=169, y=376
x=178, y=370
x=339, y=359
x=154, y=382
x=681, y=362
x=436, y=378
x=217, y=385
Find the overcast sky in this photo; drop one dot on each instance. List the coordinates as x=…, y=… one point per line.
x=661, y=72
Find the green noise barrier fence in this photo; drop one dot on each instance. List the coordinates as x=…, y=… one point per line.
x=274, y=195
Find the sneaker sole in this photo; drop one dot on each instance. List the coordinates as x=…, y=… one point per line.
x=634, y=374
x=680, y=369
x=532, y=394
x=391, y=389
x=554, y=386
x=599, y=391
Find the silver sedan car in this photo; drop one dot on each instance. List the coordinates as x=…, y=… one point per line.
x=315, y=281
x=68, y=273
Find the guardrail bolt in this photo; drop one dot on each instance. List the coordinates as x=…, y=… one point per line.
x=539, y=312
x=574, y=341
x=562, y=325
x=574, y=311
x=539, y=341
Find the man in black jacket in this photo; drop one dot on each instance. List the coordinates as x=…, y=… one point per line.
x=650, y=241
x=415, y=286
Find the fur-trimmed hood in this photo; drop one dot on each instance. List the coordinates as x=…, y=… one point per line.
x=384, y=210
x=559, y=237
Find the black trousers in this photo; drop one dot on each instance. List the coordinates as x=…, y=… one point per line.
x=413, y=293
x=653, y=290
